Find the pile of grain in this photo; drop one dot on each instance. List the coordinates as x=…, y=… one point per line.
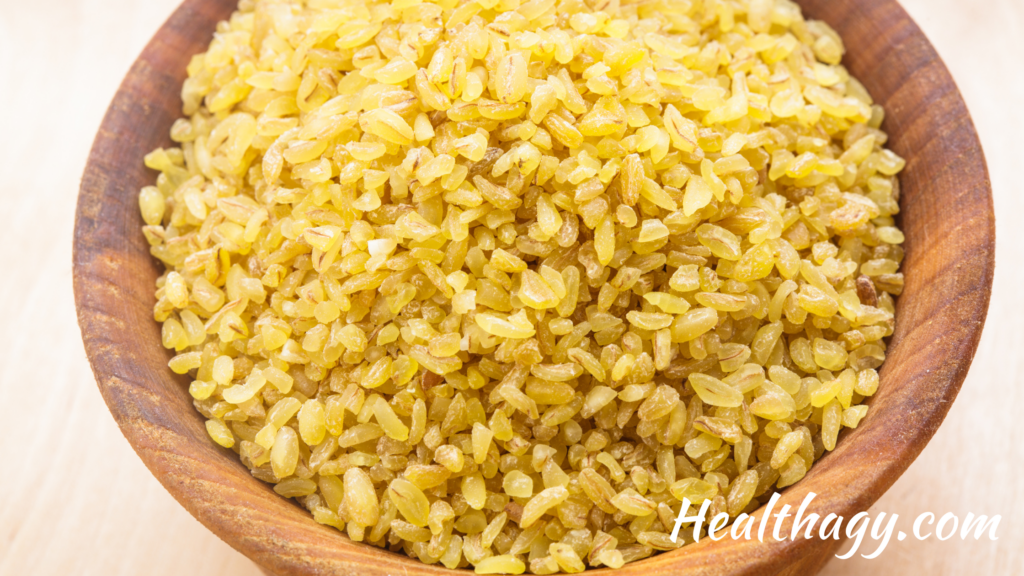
x=499, y=283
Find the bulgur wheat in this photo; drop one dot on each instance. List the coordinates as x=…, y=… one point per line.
x=498, y=283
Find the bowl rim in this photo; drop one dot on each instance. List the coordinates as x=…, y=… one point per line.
x=916, y=392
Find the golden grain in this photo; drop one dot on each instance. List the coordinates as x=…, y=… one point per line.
x=499, y=284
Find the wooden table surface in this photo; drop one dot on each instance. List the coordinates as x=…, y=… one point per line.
x=74, y=498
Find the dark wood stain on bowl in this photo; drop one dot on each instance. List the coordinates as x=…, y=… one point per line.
x=947, y=218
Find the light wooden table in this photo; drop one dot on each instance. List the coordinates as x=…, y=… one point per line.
x=74, y=498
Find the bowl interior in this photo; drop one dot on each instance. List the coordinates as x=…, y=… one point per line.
x=947, y=219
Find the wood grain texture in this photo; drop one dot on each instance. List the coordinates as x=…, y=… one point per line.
x=112, y=517
x=947, y=218
x=976, y=459
x=74, y=497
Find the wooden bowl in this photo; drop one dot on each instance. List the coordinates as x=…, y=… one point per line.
x=947, y=218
